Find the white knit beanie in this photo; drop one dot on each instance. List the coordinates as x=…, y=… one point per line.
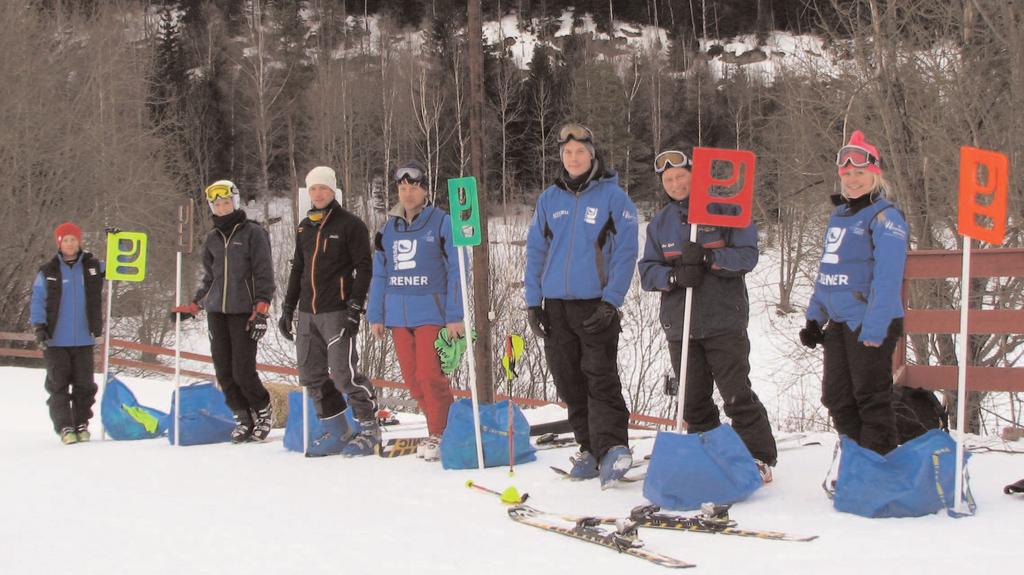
x=325, y=177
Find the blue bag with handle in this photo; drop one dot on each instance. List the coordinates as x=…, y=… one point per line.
x=458, y=444
x=326, y=436
x=123, y=418
x=917, y=478
x=205, y=416
x=689, y=470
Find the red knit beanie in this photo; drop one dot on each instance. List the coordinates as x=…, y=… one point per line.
x=857, y=139
x=67, y=229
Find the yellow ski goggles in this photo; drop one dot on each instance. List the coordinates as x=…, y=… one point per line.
x=219, y=190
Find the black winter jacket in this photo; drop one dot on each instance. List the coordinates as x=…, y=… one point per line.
x=238, y=269
x=333, y=263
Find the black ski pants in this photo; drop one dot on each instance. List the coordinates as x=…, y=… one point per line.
x=69, y=381
x=586, y=373
x=857, y=387
x=234, y=362
x=724, y=360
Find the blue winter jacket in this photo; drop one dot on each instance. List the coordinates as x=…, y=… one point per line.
x=720, y=303
x=582, y=246
x=415, y=271
x=861, y=271
x=72, y=329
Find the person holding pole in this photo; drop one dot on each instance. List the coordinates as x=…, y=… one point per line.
x=415, y=293
x=236, y=289
x=581, y=250
x=67, y=315
x=330, y=277
x=856, y=312
x=718, y=348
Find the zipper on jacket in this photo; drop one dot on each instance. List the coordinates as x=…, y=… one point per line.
x=312, y=266
x=224, y=290
x=572, y=240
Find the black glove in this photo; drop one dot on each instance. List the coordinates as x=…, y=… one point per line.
x=811, y=335
x=685, y=276
x=601, y=318
x=693, y=254
x=285, y=323
x=540, y=325
x=351, y=317
x=112, y=230
x=41, y=336
x=1014, y=488
x=257, y=326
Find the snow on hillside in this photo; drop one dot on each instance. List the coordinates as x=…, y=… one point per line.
x=117, y=507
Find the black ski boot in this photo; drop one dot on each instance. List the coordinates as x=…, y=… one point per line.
x=243, y=427
x=263, y=422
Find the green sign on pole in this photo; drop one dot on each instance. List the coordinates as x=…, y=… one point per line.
x=126, y=256
x=465, y=211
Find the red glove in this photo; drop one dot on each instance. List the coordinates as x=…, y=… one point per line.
x=185, y=311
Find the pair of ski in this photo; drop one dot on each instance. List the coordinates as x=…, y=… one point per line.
x=624, y=538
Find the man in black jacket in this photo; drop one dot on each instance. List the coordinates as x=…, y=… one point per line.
x=329, y=280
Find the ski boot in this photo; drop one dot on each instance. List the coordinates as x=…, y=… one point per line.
x=614, y=465
x=430, y=450
x=68, y=435
x=82, y=431
x=584, y=466
x=262, y=423
x=765, y=470
x=243, y=427
x=366, y=442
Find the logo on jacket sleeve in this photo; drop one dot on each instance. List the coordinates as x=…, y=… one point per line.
x=403, y=253
x=591, y=216
x=833, y=240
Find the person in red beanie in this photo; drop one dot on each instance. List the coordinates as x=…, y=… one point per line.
x=856, y=311
x=237, y=288
x=66, y=313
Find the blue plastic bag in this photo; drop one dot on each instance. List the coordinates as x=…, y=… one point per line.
x=326, y=437
x=205, y=416
x=123, y=418
x=917, y=478
x=688, y=470
x=458, y=444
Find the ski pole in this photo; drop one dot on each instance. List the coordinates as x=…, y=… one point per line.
x=510, y=495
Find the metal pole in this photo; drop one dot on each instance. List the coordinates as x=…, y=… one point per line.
x=474, y=394
x=961, y=391
x=684, y=356
x=305, y=421
x=481, y=259
x=177, y=351
x=106, y=351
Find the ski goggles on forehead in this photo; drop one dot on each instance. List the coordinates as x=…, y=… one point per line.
x=413, y=175
x=671, y=159
x=855, y=156
x=575, y=132
x=217, y=191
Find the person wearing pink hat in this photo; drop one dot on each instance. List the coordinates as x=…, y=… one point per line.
x=67, y=315
x=856, y=311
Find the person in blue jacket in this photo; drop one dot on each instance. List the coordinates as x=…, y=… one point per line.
x=581, y=251
x=718, y=345
x=66, y=313
x=856, y=311
x=415, y=293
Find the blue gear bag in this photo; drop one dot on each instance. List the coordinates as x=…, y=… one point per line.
x=458, y=444
x=123, y=417
x=205, y=416
x=689, y=470
x=326, y=437
x=917, y=478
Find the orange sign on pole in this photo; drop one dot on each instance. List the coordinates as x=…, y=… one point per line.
x=741, y=180
x=992, y=193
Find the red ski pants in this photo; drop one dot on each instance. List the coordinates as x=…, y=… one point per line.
x=421, y=369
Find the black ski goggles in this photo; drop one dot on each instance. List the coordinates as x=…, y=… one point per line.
x=671, y=159
x=577, y=132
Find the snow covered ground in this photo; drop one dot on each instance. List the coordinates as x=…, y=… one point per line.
x=118, y=507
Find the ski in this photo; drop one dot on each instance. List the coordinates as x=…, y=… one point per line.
x=400, y=446
x=711, y=519
x=552, y=441
x=622, y=539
